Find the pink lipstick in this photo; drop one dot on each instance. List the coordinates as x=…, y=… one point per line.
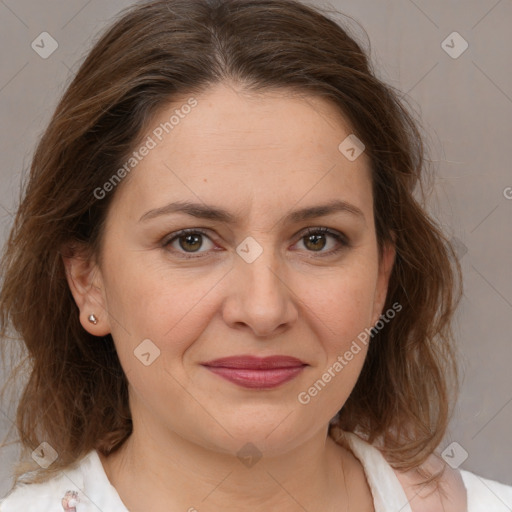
x=257, y=372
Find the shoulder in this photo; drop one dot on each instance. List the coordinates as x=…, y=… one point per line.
x=34, y=497
x=485, y=494
x=448, y=493
x=60, y=492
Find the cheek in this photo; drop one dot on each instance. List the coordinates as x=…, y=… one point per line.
x=176, y=305
x=169, y=307
x=339, y=304
x=341, y=314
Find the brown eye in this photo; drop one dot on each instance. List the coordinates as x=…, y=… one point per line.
x=187, y=241
x=190, y=242
x=315, y=240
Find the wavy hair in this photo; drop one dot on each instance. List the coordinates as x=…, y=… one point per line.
x=75, y=391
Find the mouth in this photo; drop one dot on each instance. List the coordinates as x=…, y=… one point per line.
x=256, y=372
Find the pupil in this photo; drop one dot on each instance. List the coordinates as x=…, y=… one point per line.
x=316, y=239
x=191, y=237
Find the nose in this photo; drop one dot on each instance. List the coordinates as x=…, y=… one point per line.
x=259, y=297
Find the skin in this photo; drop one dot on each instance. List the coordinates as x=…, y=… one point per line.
x=189, y=423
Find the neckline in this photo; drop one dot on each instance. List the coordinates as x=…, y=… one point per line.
x=98, y=482
x=387, y=492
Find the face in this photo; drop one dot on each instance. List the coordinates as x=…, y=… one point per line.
x=254, y=279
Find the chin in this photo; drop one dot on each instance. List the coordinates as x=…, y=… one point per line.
x=269, y=437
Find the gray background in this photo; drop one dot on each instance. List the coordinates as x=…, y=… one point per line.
x=466, y=107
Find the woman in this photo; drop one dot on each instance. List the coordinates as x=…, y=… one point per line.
x=229, y=295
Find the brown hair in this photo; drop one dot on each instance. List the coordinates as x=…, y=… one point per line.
x=76, y=395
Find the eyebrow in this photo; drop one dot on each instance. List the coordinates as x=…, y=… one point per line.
x=204, y=211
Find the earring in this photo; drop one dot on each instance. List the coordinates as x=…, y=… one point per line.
x=93, y=319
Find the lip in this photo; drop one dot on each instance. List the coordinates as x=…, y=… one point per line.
x=257, y=372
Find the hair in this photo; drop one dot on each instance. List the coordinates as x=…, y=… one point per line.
x=75, y=396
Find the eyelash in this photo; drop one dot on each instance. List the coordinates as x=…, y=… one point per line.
x=339, y=237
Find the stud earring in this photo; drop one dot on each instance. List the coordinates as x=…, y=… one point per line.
x=93, y=319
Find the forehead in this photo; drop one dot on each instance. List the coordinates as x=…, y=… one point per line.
x=233, y=147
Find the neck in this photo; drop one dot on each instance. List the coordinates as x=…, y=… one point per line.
x=169, y=472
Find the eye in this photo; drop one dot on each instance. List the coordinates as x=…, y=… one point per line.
x=315, y=238
x=187, y=239
x=187, y=242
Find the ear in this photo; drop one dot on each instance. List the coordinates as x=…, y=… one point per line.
x=86, y=284
x=385, y=268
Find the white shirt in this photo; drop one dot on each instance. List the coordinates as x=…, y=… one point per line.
x=86, y=488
